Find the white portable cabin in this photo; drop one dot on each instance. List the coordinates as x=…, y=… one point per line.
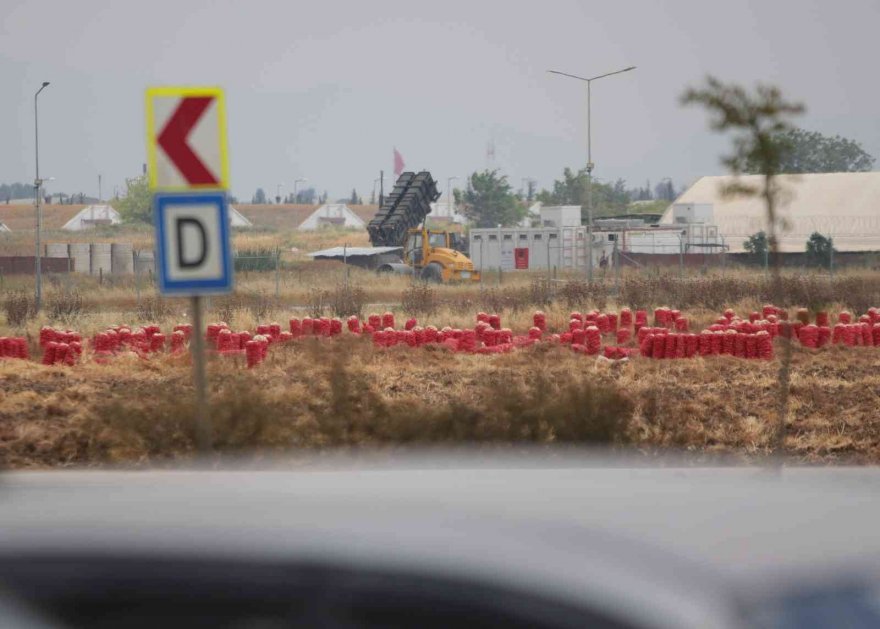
x=524, y=248
x=332, y=214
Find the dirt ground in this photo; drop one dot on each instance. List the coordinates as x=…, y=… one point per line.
x=345, y=393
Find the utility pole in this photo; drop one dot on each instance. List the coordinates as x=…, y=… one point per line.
x=38, y=193
x=449, y=202
x=590, y=164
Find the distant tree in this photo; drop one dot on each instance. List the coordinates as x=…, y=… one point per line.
x=756, y=246
x=665, y=190
x=531, y=189
x=323, y=198
x=259, y=197
x=137, y=204
x=608, y=199
x=354, y=198
x=804, y=151
x=11, y=191
x=488, y=201
x=306, y=197
x=819, y=250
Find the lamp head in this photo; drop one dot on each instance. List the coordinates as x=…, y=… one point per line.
x=45, y=83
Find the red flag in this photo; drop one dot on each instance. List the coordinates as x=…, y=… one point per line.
x=398, y=163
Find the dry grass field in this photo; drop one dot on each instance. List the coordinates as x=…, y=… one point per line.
x=343, y=392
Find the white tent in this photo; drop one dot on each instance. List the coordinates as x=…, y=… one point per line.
x=237, y=219
x=332, y=214
x=843, y=206
x=92, y=216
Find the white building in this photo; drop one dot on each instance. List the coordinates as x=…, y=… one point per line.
x=447, y=210
x=330, y=215
x=91, y=216
x=843, y=206
x=237, y=219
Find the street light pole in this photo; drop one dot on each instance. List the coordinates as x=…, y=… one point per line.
x=38, y=192
x=590, y=164
x=450, y=204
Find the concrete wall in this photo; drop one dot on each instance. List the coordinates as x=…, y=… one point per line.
x=101, y=260
x=121, y=258
x=81, y=254
x=22, y=265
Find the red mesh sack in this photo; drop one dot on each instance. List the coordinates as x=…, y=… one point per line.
x=388, y=320
x=764, y=344
x=539, y=320
x=705, y=343
x=593, y=340
x=809, y=336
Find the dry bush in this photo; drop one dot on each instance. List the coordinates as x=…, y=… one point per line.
x=258, y=304
x=339, y=403
x=541, y=292
x=419, y=299
x=154, y=308
x=500, y=299
x=65, y=305
x=347, y=300
x=19, y=307
x=317, y=302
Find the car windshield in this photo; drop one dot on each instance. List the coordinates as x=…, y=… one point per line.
x=235, y=232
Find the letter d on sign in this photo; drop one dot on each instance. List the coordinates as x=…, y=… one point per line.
x=192, y=250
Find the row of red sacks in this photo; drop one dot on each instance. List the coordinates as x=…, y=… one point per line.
x=582, y=334
x=14, y=347
x=707, y=343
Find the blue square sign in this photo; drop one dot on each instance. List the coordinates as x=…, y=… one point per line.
x=193, y=252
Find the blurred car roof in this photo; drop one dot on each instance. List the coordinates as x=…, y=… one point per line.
x=662, y=546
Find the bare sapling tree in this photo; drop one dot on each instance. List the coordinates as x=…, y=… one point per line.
x=757, y=119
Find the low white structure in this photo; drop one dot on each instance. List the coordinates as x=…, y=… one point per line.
x=524, y=248
x=843, y=206
x=446, y=209
x=237, y=219
x=4, y=228
x=332, y=215
x=533, y=216
x=91, y=216
x=560, y=216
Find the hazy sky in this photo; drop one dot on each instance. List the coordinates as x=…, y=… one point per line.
x=325, y=90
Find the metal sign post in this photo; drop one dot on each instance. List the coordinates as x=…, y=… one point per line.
x=189, y=175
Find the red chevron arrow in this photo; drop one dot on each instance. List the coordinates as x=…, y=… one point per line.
x=173, y=140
